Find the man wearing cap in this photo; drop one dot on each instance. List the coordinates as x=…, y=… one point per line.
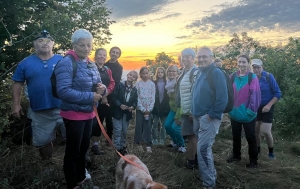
x=207, y=107
x=36, y=71
x=183, y=101
x=270, y=94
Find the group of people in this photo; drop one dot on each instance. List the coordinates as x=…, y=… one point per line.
x=179, y=102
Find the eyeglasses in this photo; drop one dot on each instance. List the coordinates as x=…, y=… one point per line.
x=45, y=62
x=43, y=41
x=172, y=71
x=186, y=56
x=203, y=57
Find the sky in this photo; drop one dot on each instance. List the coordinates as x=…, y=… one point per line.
x=144, y=28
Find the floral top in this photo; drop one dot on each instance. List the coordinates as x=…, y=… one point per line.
x=146, y=95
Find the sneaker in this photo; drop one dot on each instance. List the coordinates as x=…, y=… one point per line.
x=232, y=159
x=96, y=150
x=172, y=145
x=251, y=165
x=182, y=149
x=209, y=187
x=155, y=142
x=161, y=142
x=149, y=150
x=272, y=156
x=87, y=175
x=190, y=164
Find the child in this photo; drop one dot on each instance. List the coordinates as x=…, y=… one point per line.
x=161, y=107
x=146, y=98
x=124, y=100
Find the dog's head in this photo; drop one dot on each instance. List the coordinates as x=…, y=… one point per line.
x=155, y=185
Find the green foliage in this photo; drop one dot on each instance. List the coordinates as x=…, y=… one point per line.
x=21, y=20
x=161, y=60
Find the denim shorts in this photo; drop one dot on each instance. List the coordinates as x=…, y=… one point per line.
x=44, y=124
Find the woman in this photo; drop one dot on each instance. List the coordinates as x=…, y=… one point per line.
x=172, y=128
x=79, y=94
x=103, y=107
x=246, y=102
x=161, y=107
x=270, y=94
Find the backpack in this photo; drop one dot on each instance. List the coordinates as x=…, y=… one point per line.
x=193, y=76
x=230, y=92
x=53, y=76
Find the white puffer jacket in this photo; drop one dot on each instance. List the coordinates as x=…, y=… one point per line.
x=185, y=92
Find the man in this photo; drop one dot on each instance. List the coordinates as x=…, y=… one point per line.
x=207, y=107
x=184, y=102
x=116, y=69
x=36, y=71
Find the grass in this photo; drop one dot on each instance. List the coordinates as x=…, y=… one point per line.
x=20, y=166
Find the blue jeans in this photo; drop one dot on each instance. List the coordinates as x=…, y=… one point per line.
x=77, y=143
x=207, y=132
x=173, y=129
x=120, y=132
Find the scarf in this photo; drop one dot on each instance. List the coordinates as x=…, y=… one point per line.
x=170, y=86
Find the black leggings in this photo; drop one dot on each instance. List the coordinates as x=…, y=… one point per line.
x=77, y=143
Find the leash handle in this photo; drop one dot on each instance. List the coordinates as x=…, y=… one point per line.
x=110, y=142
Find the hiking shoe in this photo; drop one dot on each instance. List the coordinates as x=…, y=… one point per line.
x=155, y=142
x=87, y=175
x=190, y=164
x=96, y=150
x=172, y=145
x=251, y=165
x=272, y=156
x=232, y=159
x=182, y=149
x=149, y=150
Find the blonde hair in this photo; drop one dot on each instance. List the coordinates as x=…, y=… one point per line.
x=135, y=72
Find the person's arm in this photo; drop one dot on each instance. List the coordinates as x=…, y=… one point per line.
x=276, y=94
x=16, y=94
x=139, y=102
x=115, y=96
x=221, y=94
x=118, y=74
x=111, y=84
x=255, y=96
x=152, y=89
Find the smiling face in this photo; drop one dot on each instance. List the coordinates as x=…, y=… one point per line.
x=172, y=72
x=187, y=61
x=43, y=45
x=204, y=58
x=100, y=57
x=243, y=64
x=83, y=47
x=257, y=70
x=132, y=76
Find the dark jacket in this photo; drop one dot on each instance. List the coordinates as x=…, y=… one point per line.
x=118, y=98
x=163, y=108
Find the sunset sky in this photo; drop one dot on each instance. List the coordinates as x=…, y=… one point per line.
x=144, y=28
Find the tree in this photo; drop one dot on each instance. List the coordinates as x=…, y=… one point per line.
x=161, y=60
x=21, y=20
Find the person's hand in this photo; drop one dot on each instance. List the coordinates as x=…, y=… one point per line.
x=178, y=122
x=190, y=117
x=97, y=97
x=266, y=108
x=17, y=111
x=130, y=108
x=123, y=107
x=209, y=118
x=104, y=100
x=147, y=112
x=101, y=88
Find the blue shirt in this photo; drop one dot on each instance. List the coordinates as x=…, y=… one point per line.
x=268, y=90
x=37, y=76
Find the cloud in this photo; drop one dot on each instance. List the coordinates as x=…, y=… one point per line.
x=251, y=15
x=139, y=24
x=127, y=8
x=182, y=37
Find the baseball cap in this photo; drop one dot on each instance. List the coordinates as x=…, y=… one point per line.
x=256, y=62
x=44, y=34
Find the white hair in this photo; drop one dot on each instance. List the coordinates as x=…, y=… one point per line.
x=207, y=49
x=81, y=34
